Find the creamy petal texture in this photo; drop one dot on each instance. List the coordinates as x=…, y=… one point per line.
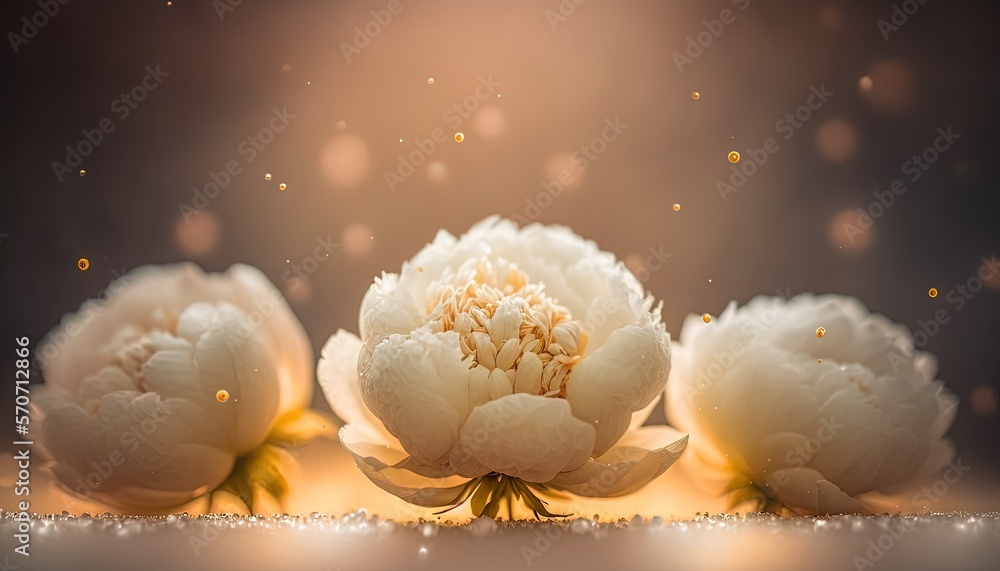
x=771, y=403
x=130, y=412
x=517, y=353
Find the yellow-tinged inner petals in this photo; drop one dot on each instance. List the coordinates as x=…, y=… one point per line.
x=514, y=337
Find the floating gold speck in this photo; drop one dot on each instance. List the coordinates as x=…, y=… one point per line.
x=677, y=208
x=819, y=360
x=267, y=176
x=430, y=81
x=222, y=396
x=932, y=292
x=82, y=172
x=734, y=157
x=83, y=264
x=696, y=96
x=459, y=137
x=282, y=186
x=706, y=318
x=820, y=332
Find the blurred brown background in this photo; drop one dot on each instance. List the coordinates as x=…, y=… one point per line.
x=533, y=82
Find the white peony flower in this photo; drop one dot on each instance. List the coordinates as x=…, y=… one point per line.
x=156, y=393
x=500, y=365
x=792, y=415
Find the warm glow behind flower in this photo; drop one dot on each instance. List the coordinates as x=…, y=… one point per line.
x=512, y=360
x=130, y=412
x=781, y=414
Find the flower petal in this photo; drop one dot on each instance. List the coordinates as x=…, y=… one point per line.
x=338, y=378
x=416, y=489
x=620, y=378
x=527, y=436
x=627, y=467
x=418, y=386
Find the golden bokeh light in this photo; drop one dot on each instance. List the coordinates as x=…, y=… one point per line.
x=344, y=161
x=821, y=332
x=893, y=88
x=197, y=235
x=357, y=240
x=984, y=400
x=849, y=231
x=836, y=140
x=83, y=264
x=734, y=157
x=489, y=122
x=222, y=395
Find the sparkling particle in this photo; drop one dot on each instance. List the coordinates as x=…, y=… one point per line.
x=677, y=208
x=820, y=332
x=222, y=395
x=932, y=292
x=819, y=360
x=696, y=96
x=267, y=176
x=422, y=553
x=282, y=186
x=430, y=81
x=459, y=137
x=706, y=318
x=734, y=157
x=83, y=264
x=82, y=172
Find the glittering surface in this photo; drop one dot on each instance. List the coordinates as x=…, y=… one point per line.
x=956, y=540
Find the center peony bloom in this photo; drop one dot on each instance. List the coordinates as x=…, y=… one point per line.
x=501, y=365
